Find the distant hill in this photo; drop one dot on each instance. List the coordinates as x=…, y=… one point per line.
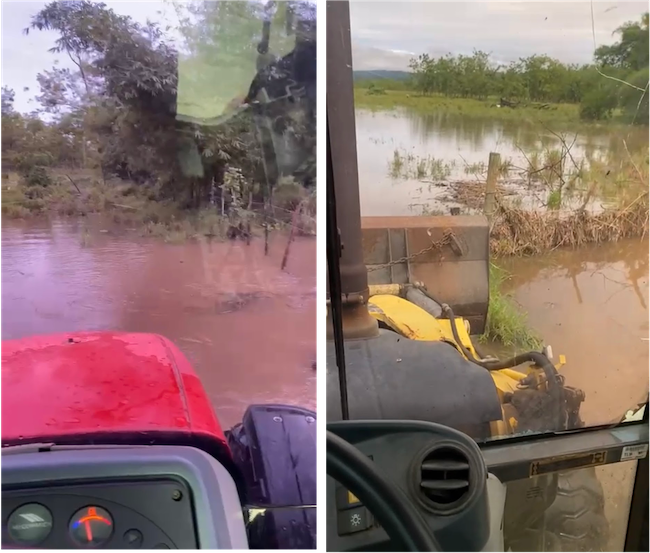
x=381, y=74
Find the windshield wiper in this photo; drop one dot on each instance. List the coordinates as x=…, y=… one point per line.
x=333, y=250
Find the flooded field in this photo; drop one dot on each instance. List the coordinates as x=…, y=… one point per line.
x=412, y=163
x=248, y=328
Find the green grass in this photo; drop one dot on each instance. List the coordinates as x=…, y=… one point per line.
x=554, y=200
x=391, y=99
x=506, y=323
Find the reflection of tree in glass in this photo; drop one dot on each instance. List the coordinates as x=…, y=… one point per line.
x=226, y=43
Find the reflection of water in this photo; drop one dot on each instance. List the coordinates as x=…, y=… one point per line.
x=459, y=141
x=591, y=305
x=248, y=328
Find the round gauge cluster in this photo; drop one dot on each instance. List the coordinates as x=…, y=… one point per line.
x=90, y=527
x=30, y=524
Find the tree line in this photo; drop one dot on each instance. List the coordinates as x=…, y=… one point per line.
x=540, y=78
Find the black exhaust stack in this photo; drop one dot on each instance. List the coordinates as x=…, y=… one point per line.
x=344, y=177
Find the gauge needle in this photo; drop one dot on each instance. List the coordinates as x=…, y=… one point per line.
x=89, y=533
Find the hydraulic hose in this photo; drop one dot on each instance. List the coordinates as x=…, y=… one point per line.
x=532, y=356
x=427, y=293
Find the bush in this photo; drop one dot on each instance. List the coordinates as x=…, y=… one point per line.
x=34, y=192
x=37, y=175
x=599, y=103
x=25, y=162
x=375, y=89
x=288, y=194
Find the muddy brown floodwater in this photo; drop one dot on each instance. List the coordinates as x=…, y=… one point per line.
x=248, y=328
x=458, y=142
x=591, y=305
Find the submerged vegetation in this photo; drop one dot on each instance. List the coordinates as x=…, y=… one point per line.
x=406, y=165
x=506, y=324
x=554, y=176
x=588, y=204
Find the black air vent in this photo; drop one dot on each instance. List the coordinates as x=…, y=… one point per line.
x=444, y=477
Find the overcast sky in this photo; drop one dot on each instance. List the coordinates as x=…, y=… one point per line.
x=385, y=35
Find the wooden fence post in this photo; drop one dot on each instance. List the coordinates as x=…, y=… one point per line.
x=491, y=184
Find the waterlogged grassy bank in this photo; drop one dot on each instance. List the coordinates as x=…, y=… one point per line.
x=126, y=209
x=139, y=208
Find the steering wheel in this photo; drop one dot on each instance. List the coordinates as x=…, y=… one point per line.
x=388, y=504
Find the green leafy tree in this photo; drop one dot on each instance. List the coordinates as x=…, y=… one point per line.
x=625, y=60
x=631, y=51
x=633, y=102
x=125, y=82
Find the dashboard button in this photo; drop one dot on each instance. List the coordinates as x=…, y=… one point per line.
x=353, y=520
x=346, y=499
x=30, y=524
x=133, y=538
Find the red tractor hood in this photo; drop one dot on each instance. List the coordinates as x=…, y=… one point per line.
x=103, y=388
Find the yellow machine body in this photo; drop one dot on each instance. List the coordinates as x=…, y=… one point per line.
x=413, y=322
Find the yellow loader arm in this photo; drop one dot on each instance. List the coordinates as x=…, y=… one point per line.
x=413, y=322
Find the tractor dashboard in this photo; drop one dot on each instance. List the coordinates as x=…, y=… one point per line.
x=151, y=497
x=441, y=472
